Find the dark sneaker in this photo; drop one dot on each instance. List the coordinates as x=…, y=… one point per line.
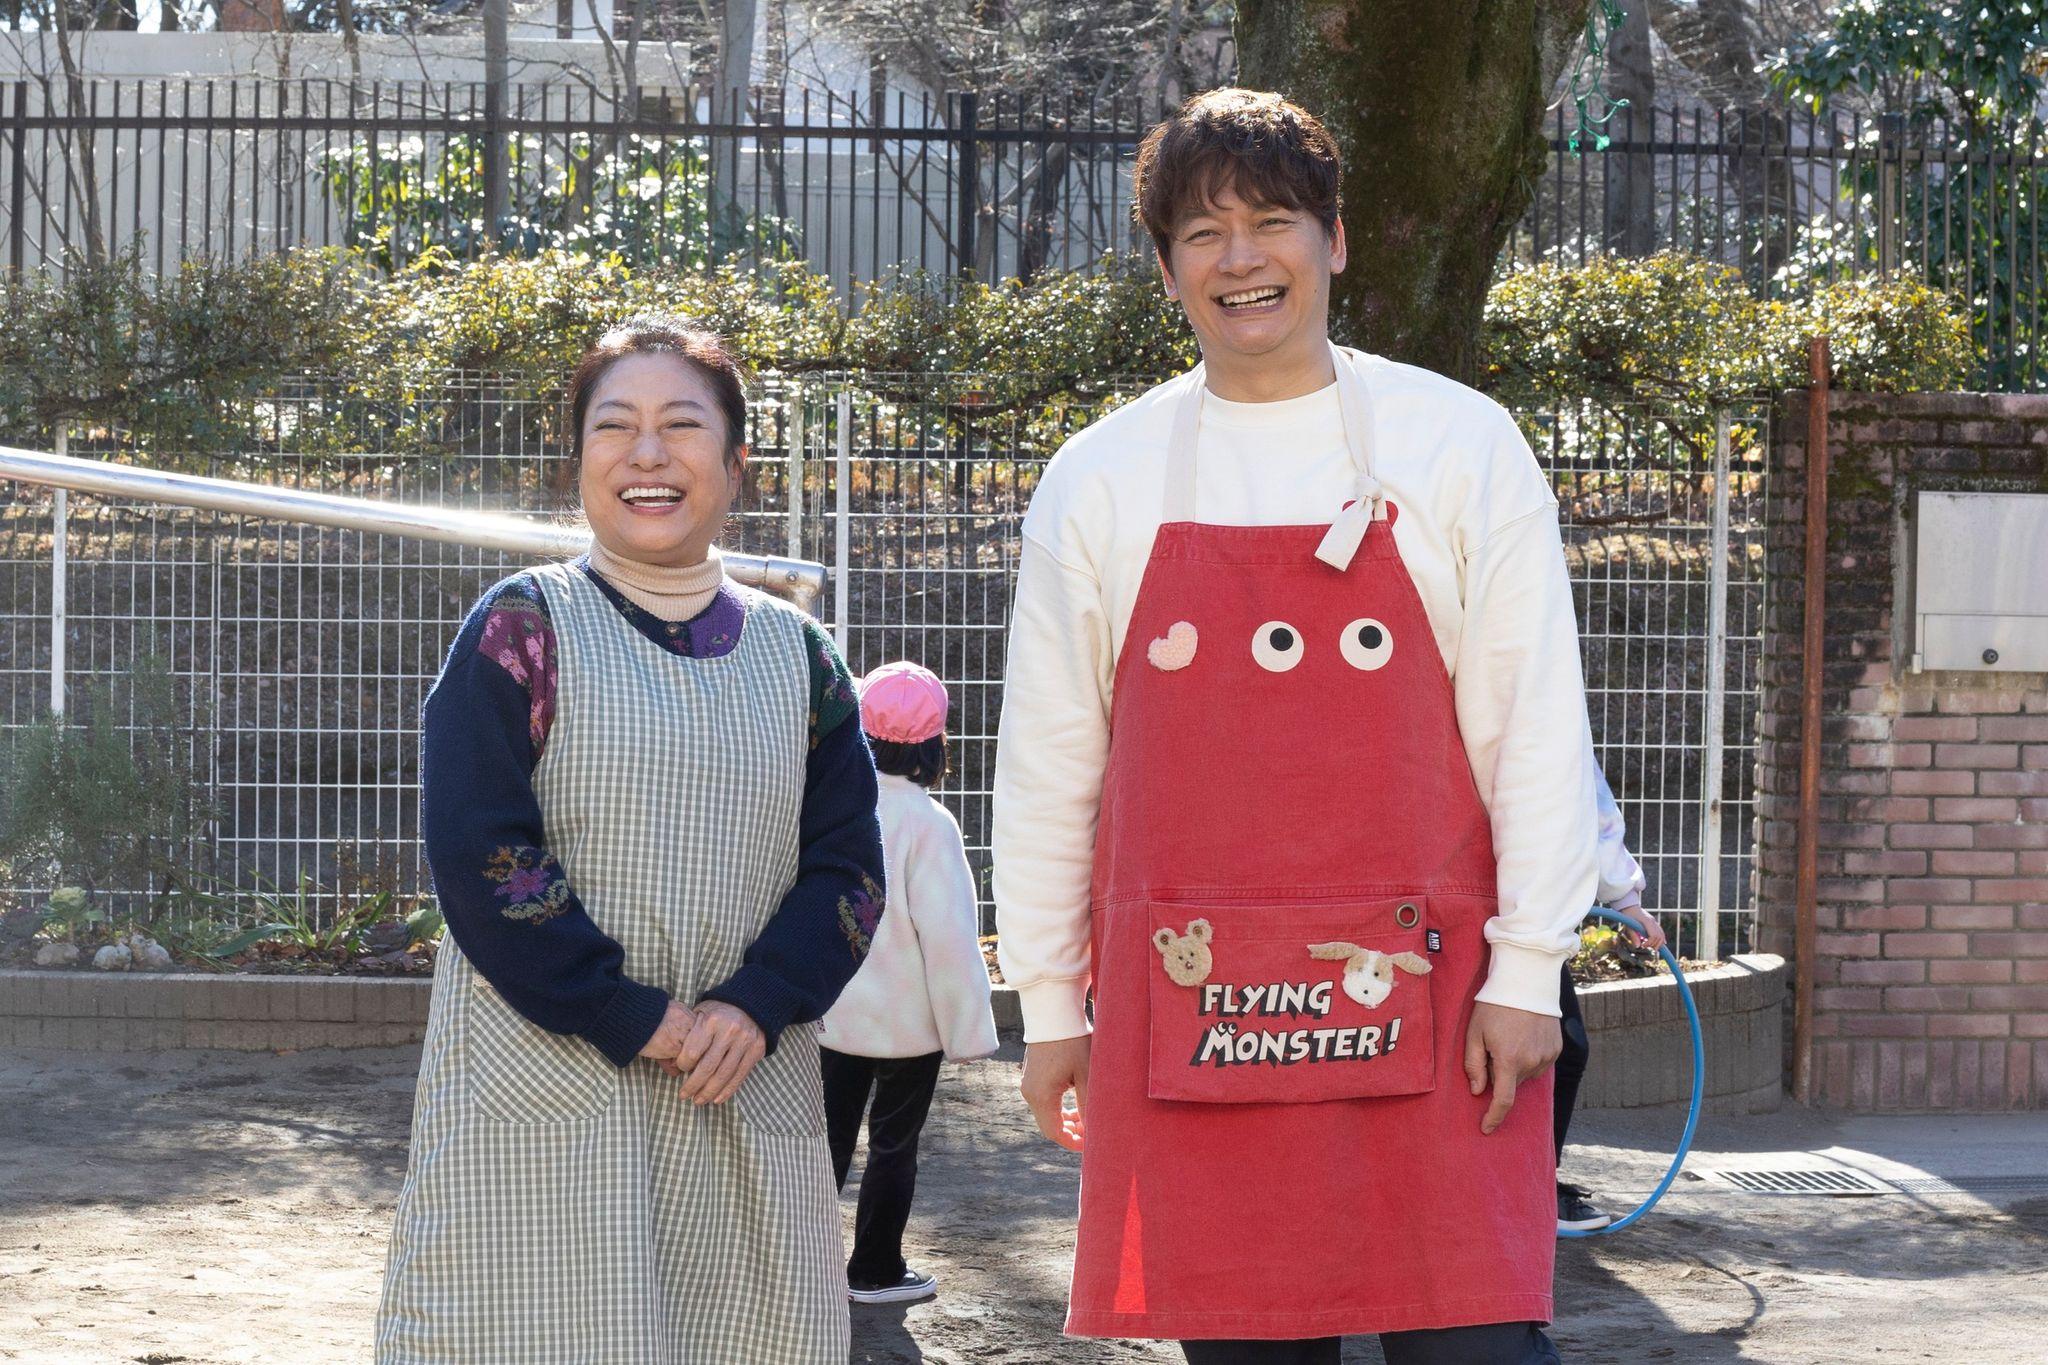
x=910, y=1289
x=1575, y=1212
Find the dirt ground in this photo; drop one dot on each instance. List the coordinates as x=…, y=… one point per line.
x=223, y=1207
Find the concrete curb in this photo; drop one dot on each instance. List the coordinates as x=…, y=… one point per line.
x=1637, y=1029
x=136, y=1011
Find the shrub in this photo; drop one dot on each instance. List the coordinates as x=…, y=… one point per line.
x=104, y=341
x=107, y=800
x=1685, y=334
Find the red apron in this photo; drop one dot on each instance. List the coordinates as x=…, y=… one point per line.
x=1293, y=869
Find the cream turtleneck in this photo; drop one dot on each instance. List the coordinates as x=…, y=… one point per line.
x=671, y=594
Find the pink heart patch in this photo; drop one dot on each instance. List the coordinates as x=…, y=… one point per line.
x=1175, y=649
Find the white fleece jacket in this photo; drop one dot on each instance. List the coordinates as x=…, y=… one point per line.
x=1478, y=532
x=924, y=987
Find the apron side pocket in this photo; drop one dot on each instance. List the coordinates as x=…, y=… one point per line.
x=520, y=1073
x=1289, y=1004
x=785, y=1093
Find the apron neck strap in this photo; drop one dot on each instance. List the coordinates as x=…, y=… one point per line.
x=1354, y=401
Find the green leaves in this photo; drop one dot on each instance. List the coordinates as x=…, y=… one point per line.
x=106, y=798
x=1978, y=62
x=1686, y=334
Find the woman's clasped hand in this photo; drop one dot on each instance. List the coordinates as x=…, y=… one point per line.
x=711, y=1049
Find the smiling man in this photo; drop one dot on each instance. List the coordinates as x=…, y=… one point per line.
x=1294, y=782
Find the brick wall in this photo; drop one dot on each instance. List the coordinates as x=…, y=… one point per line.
x=1931, y=985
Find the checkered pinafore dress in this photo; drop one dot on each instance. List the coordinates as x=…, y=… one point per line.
x=558, y=1209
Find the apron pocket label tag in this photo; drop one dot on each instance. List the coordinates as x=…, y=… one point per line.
x=1290, y=1005
x=1436, y=940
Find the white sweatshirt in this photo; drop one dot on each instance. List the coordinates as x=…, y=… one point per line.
x=1478, y=533
x=924, y=987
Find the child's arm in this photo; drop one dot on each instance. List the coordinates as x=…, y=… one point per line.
x=1621, y=877
x=938, y=891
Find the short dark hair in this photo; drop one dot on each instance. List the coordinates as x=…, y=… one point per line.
x=923, y=762
x=704, y=351
x=1267, y=149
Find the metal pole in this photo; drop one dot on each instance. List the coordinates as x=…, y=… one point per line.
x=842, y=512
x=1717, y=705
x=797, y=449
x=1812, y=658
x=1891, y=138
x=967, y=182
x=60, y=517
x=800, y=582
x=497, y=65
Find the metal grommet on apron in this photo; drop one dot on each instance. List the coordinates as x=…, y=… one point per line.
x=1407, y=915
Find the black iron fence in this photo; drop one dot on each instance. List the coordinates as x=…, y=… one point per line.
x=993, y=187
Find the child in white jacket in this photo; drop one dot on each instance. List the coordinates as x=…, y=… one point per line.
x=1620, y=890
x=921, y=997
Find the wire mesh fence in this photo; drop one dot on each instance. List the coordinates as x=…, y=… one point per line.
x=302, y=655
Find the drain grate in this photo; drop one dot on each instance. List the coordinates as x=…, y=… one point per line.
x=1834, y=1180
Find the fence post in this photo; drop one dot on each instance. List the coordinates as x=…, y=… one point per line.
x=967, y=181
x=842, y=512
x=60, y=517
x=1891, y=173
x=1717, y=704
x=496, y=77
x=795, y=478
x=17, y=194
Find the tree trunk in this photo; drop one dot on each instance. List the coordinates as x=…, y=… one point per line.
x=1629, y=207
x=1435, y=105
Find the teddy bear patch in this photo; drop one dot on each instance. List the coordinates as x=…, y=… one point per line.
x=1368, y=972
x=1188, y=961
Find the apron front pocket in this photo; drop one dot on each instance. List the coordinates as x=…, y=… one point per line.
x=1290, y=1004
x=784, y=1093
x=522, y=1073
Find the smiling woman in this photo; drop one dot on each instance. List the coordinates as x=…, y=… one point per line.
x=650, y=822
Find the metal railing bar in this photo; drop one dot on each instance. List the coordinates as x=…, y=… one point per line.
x=799, y=581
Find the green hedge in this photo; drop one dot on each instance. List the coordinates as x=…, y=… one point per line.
x=1686, y=334
x=106, y=346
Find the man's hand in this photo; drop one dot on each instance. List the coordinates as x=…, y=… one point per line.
x=1050, y=1071
x=1512, y=1045
x=719, y=1053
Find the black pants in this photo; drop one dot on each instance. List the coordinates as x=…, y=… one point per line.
x=1571, y=1063
x=902, y=1089
x=1500, y=1343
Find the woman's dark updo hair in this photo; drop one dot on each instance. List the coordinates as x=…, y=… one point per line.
x=923, y=762
x=703, y=351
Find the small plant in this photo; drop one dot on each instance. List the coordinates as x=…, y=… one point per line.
x=292, y=918
x=1607, y=953
x=106, y=804
x=425, y=925
x=70, y=913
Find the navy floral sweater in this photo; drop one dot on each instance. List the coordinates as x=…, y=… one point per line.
x=505, y=897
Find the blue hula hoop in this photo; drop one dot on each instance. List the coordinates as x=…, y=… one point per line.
x=1692, y=1117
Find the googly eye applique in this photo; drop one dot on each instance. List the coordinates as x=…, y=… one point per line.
x=1276, y=646
x=1367, y=644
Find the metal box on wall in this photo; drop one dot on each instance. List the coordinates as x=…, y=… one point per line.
x=1980, y=581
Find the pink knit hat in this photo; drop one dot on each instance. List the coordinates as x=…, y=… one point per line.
x=903, y=703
